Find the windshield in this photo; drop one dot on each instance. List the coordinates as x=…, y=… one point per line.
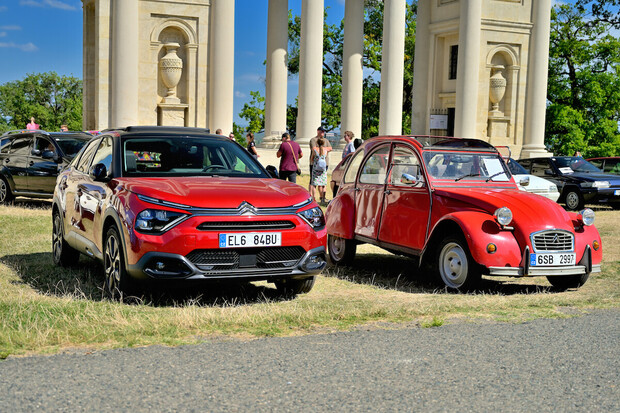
x=188, y=156
x=457, y=166
x=570, y=164
x=70, y=147
x=516, y=168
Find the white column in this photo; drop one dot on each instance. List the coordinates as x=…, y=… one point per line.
x=310, y=70
x=125, y=59
x=468, y=70
x=536, y=93
x=352, y=73
x=392, y=68
x=421, y=71
x=277, y=72
x=221, y=65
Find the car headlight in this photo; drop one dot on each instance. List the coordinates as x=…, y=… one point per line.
x=154, y=221
x=595, y=184
x=587, y=217
x=314, y=217
x=503, y=215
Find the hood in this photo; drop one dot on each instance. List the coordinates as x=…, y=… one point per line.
x=536, y=183
x=218, y=192
x=527, y=209
x=614, y=180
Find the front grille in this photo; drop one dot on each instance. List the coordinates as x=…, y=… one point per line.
x=245, y=226
x=219, y=260
x=553, y=241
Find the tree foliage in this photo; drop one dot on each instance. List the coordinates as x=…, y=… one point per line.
x=53, y=100
x=254, y=112
x=584, y=80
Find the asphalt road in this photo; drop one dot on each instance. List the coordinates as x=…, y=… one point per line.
x=544, y=365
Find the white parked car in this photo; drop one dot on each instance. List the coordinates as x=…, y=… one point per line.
x=531, y=183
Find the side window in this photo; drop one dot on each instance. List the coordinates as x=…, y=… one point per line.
x=104, y=153
x=44, y=145
x=541, y=168
x=374, y=169
x=405, y=166
x=598, y=163
x=84, y=161
x=5, y=145
x=354, y=165
x=526, y=165
x=21, y=146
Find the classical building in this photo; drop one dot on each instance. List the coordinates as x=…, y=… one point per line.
x=481, y=71
x=480, y=67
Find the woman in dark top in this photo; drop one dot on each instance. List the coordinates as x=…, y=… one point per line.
x=251, y=145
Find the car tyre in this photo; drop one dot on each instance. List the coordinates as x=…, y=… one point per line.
x=292, y=287
x=564, y=282
x=573, y=199
x=341, y=250
x=455, y=265
x=63, y=254
x=6, y=196
x=118, y=284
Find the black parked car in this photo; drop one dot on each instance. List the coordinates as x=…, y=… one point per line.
x=578, y=181
x=30, y=161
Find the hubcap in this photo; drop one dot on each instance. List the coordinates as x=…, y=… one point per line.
x=337, y=247
x=112, y=264
x=2, y=190
x=453, y=266
x=572, y=200
x=57, y=238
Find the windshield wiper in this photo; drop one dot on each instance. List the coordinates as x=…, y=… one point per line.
x=494, y=175
x=466, y=176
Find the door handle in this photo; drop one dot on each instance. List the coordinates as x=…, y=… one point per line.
x=31, y=163
x=7, y=160
x=387, y=192
x=357, y=189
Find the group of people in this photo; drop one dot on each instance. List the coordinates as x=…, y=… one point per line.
x=290, y=152
x=34, y=126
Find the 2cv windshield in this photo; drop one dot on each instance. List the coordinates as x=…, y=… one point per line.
x=456, y=166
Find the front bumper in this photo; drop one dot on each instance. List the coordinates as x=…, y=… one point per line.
x=161, y=265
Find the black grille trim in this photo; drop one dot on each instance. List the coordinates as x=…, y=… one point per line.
x=553, y=241
x=217, y=261
x=245, y=225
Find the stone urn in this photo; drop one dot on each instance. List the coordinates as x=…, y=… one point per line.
x=171, y=68
x=497, y=89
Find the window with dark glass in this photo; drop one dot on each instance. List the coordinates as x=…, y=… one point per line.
x=454, y=56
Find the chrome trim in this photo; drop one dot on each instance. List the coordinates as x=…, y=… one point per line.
x=156, y=201
x=536, y=250
x=533, y=271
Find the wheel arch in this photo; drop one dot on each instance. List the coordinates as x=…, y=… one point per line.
x=111, y=219
x=440, y=231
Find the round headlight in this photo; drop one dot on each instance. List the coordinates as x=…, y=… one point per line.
x=587, y=217
x=503, y=216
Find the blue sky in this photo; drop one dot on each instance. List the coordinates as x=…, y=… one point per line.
x=46, y=35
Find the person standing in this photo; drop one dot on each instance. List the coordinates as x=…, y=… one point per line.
x=318, y=179
x=289, y=154
x=231, y=136
x=349, y=147
x=251, y=145
x=32, y=125
x=320, y=133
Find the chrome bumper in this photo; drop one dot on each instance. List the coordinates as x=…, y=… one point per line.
x=544, y=271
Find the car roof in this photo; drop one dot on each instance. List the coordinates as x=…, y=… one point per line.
x=428, y=142
x=603, y=157
x=167, y=131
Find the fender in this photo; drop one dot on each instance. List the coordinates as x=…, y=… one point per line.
x=6, y=174
x=113, y=214
x=480, y=229
x=340, y=217
x=588, y=236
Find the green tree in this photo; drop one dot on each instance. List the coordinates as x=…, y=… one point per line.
x=584, y=80
x=52, y=99
x=254, y=112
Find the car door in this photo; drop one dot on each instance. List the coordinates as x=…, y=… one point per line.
x=544, y=168
x=369, y=192
x=17, y=161
x=42, y=169
x=407, y=202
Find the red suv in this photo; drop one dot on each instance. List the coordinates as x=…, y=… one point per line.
x=179, y=203
x=452, y=203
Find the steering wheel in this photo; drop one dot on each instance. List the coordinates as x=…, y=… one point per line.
x=214, y=166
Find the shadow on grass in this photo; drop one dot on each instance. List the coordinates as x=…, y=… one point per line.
x=32, y=203
x=85, y=281
x=402, y=273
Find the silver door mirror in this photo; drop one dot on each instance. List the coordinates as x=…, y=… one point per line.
x=525, y=181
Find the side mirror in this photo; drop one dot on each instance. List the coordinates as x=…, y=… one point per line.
x=36, y=152
x=525, y=181
x=408, y=179
x=272, y=171
x=99, y=172
x=548, y=172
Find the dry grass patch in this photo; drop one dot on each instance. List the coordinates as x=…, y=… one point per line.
x=45, y=309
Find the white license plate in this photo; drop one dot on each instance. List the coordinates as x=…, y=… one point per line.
x=250, y=239
x=617, y=192
x=552, y=259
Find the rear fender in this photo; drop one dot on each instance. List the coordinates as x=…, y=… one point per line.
x=340, y=217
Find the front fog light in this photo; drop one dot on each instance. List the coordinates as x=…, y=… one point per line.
x=587, y=217
x=314, y=217
x=503, y=216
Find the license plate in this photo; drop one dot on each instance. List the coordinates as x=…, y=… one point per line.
x=250, y=239
x=552, y=259
x=617, y=192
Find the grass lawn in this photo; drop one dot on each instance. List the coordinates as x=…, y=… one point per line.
x=44, y=309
